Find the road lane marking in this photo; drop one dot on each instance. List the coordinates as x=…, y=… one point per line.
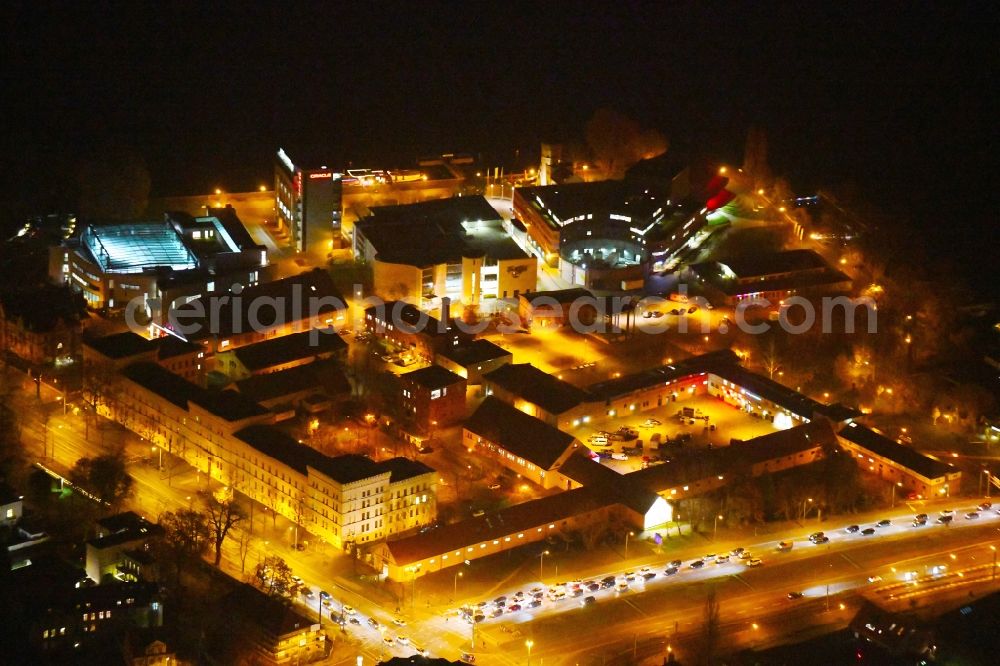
x=740, y=579
x=850, y=561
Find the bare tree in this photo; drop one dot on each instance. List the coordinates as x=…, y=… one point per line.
x=186, y=537
x=223, y=514
x=274, y=576
x=243, y=543
x=617, y=142
x=710, y=630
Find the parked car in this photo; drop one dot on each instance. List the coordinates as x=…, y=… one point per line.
x=494, y=486
x=972, y=515
x=619, y=456
x=885, y=522
x=589, y=601
x=785, y=545
x=853, y=529
x=621, y=587
x=944, y=520
x=821, y=540
x=670, y=571
x=676, y=563
x=755, y=562
x=468, y=658
x=794, y=595
x=697, y=564
x=868, y=531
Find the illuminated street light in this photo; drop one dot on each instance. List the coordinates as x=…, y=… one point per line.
x=722, y=171
x=529, y=644
x=457, y=576
x=627, y=535
x=263, y=188
x=218, y=191
x=541, y=562
x=715, y=528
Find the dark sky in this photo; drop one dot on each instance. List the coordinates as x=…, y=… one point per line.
x=895, y=98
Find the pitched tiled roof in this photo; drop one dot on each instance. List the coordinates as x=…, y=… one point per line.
x=903, y=455
x=288, y=348
x=528, y=382
x=432, y=377
x=517, y=432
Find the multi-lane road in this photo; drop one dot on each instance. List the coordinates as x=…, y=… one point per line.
x=667, y=609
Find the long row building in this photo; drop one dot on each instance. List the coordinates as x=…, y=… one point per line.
x=346, y=500
x=527, y=424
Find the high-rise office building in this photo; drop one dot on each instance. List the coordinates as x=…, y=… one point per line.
x=308, y=203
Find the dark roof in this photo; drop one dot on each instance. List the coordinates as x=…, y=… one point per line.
x=454, y=210
x=758, y=264
x=528, y=382
x=402, y=314
x=227, y=404
x=401, y=468
x=561, y=296
x=162, y=382
x=126, y=520
x=168, y=347
x=436, y=231
x=615, y=487
x=120, y=345
x=325, y=375
x=432, y=377
x=292, y=293
x=520, y=434
x=795, y=268
x=495, y=525
x=725, y=460
x=126, y=536
x=276, y=444
x=614, y=388
x=128, y=344
x=419, y=660
x=903, y=455
x=275, y=617
x=599, y=198
x=288, y=348
x=477, y=351
x=234, y=227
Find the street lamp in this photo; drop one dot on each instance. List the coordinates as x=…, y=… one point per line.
x=529, y=643
x=159, y=451
x=541, y=563
x=627, y=535
x=715, y=528
x=457, y=576
x=899, y=484
x=809, y=501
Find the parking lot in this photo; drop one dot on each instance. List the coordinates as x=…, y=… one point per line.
x=730, y=423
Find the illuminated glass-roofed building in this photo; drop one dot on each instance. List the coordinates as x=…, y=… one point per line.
x=136, y=247
x=178, y=258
